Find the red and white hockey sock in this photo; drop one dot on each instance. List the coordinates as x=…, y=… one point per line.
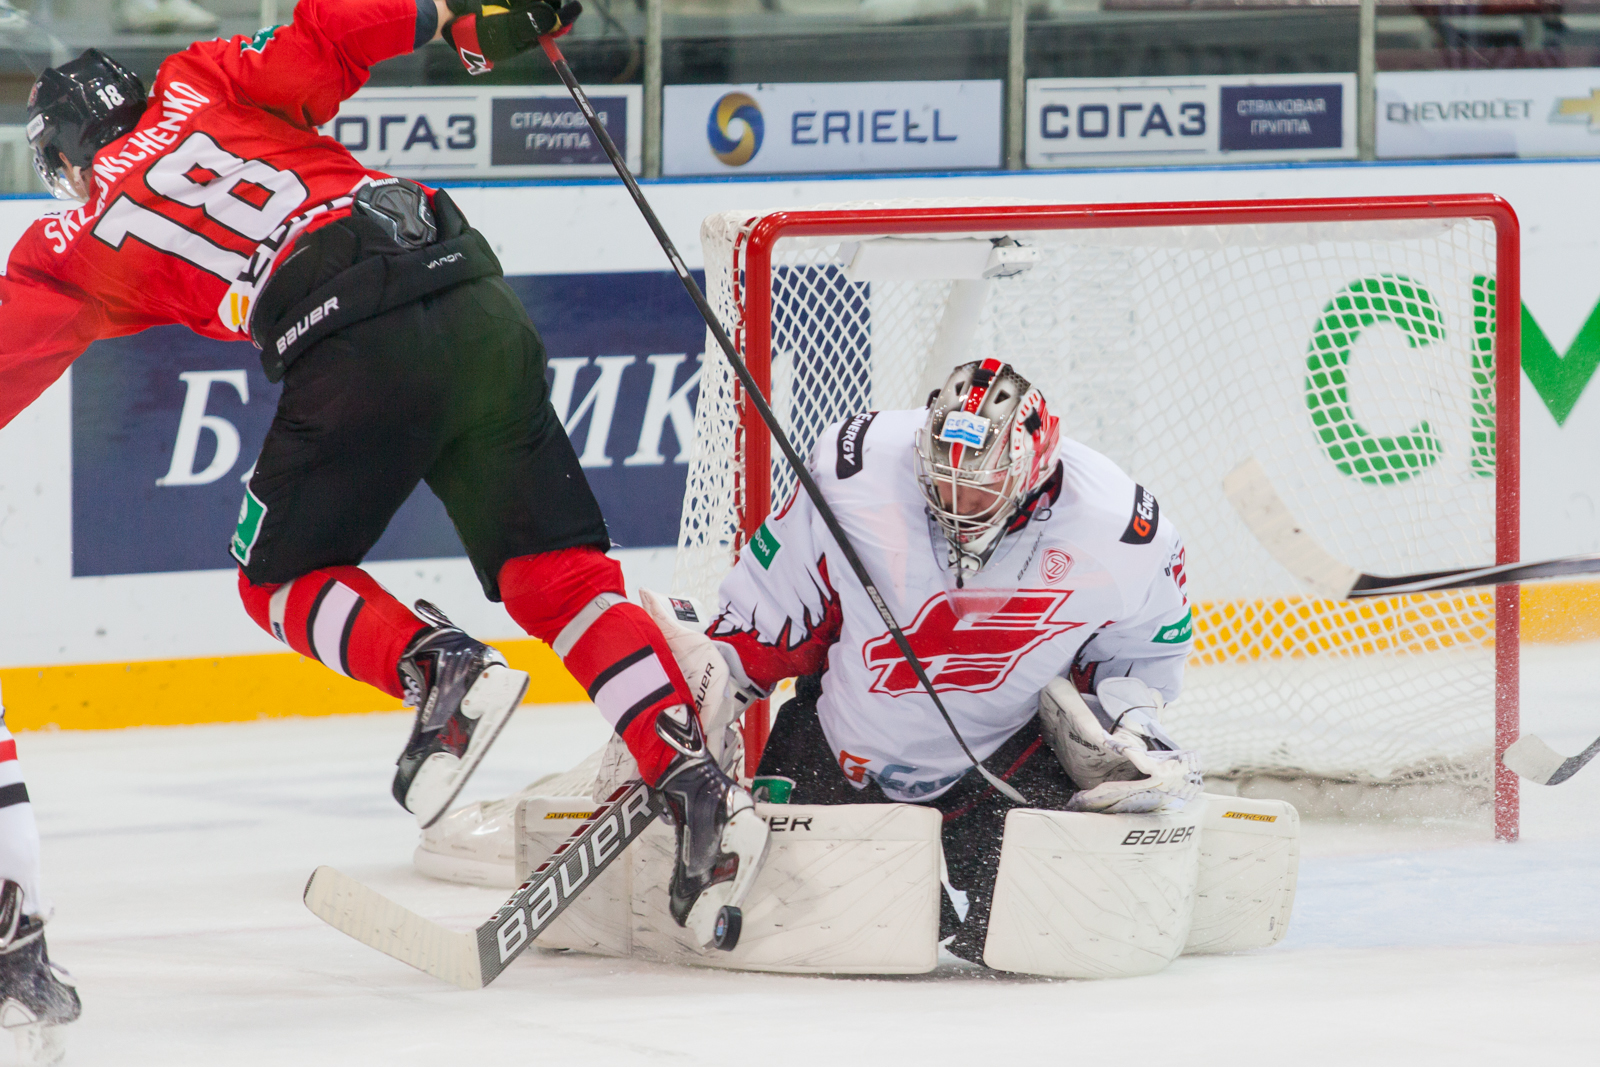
x=340, y=617
x=573, y=600
x=19, y=834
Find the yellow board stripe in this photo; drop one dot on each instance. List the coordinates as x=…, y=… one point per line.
x=109, y=696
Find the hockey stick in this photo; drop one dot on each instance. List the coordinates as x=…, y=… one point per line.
x=473, y=960
x=1538, y=762
x=754, y=393
x=1252, y=495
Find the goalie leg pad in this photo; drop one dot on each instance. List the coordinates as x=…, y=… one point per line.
x=600, y=920
x=1083, y=895
x=845, y=889
x=1249, y=864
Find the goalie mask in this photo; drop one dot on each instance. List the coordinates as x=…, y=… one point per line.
x=988, y=447
x=77, y=109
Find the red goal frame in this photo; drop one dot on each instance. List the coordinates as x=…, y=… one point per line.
x=753, y=335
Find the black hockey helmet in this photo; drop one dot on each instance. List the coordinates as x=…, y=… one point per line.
x=77, y=109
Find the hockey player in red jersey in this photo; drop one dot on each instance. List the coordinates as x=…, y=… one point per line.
x=1041, y=588
x=404, y=356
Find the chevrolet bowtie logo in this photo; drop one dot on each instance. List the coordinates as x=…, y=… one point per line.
x=1579, y=109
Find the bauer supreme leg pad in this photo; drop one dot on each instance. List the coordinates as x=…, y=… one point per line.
x=1088, y=895
x=1249, y=864
x=845, y=889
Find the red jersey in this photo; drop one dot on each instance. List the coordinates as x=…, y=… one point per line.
x=191, y=210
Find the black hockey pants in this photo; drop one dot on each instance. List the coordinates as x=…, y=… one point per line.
x=974, y=813
x=448, y=388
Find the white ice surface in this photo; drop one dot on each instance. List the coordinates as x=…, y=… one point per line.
x=176, y=858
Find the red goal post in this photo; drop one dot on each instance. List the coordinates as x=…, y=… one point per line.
x=745, y=251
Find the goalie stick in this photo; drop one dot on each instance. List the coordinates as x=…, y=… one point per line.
x=473, y=959
x=1538, y=762
x=1252, y=495
x=753, y=392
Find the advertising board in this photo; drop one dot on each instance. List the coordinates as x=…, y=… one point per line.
x=502, y=132
x=839, y=126
x=1440, y=113
x=1075, y=122
x=166, y=425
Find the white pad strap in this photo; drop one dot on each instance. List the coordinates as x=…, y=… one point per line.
x=277, y=610
x=573, y=631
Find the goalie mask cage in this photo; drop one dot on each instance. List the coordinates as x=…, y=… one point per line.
x=1351, y=346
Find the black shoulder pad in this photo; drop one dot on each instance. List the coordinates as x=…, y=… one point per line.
x=1146, y=516
x=850, y=451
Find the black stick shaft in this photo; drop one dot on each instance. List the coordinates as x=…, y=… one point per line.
x=754, y=394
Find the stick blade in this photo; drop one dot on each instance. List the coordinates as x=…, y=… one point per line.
x=1531, y=758
x=1252, y=495
x=378, y=922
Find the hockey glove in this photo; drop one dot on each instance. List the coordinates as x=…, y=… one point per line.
x=483, y=34
x=1117, y=755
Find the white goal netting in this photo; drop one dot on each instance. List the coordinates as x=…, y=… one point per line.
x=1354, y=360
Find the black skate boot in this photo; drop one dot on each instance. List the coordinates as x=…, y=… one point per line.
x=36, y=997
x=721, y=839
x=464, y=693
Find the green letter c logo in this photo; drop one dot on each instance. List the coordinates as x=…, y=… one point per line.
x=1355, y=450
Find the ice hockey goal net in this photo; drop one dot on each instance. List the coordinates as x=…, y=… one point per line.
x=1350, y=346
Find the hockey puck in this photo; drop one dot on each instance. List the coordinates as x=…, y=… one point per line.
x=725, y=935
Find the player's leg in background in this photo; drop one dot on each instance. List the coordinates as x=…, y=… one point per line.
x=534, y=532
x=35, y=995
x=363, y=416
x=975, y=819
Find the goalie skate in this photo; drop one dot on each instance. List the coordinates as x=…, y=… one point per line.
x=464, y=693
x=721, y=841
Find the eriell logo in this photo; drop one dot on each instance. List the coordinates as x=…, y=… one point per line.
x=735, y=151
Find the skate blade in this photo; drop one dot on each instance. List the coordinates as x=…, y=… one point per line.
x=745, y=835
x=491, y=700
x=39, y=1044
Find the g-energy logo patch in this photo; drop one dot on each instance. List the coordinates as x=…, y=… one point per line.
x=851, y=435
x=1146, y=516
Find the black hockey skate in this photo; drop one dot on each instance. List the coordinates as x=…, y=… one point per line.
x=36, y=997
x=464, y=693
x=721, y=840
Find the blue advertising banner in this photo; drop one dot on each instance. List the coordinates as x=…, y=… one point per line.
x=1281, y=116
x=166, y=426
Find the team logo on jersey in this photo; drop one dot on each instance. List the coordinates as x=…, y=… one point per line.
x=851, y=433
x=1146, y=515
x=971, y=655
x=1055, y=566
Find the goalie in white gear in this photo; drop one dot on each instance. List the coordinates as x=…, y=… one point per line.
x=1040, y=587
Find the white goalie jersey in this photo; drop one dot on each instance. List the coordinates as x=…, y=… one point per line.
x=1091, y=588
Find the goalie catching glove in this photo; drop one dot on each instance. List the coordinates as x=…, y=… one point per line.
x=483, y=34
x=1118, y=755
